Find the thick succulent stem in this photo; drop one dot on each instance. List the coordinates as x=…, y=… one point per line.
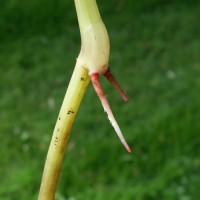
x=95, y=45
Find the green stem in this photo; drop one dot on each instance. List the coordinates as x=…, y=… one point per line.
x=93, y=55
x=87, y=12
x=68, y=111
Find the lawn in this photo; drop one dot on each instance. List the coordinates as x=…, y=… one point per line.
x=155, y=55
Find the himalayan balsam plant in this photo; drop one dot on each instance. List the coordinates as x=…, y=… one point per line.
x=91, y=63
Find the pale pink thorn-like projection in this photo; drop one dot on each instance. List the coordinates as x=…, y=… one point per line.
x=113, y=81
x=98, y=89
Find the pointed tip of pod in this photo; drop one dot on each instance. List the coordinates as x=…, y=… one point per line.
x=98, y=89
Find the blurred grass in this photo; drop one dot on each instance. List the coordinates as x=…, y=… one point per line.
x=155, y=48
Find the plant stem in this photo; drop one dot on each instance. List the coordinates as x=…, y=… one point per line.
x=93, y=59
x=87, y=12
x=68, y=111
x=93, y=38
x=95, y=44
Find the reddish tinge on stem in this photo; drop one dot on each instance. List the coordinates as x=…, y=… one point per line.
x=97, y=86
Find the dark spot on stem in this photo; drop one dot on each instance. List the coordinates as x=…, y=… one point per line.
x=82, y=79
x=70, y=111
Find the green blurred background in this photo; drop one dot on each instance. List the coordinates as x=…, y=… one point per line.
x=155, y=55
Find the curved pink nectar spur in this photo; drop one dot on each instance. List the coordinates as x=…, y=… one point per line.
x=98, y=89
x=113, y=81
